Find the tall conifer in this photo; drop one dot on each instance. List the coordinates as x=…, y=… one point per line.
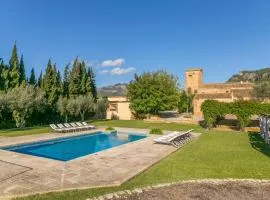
x=75, y=79
x=66, y=81
x=2, y=81
x=50, y=84
x=40, y=80
x=32, y=79
x=92, y=80
x=22, y=70
x=83, y=78
x=14, y=74
x=59, y=83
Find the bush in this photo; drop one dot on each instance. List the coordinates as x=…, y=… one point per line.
x=243, y=110
x=110, y=129
x=156, y=131
x=153, y=92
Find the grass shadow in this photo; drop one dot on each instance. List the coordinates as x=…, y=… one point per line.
x=258, y=143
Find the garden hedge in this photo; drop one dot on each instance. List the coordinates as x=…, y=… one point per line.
x=243, y=110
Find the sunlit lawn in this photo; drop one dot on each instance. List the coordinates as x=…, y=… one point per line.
x=214, y=155
x=26, y=131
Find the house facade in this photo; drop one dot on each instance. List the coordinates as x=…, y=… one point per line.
x=118, y=108
x=224, y=92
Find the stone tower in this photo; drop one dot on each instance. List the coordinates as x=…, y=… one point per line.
x=193, y=80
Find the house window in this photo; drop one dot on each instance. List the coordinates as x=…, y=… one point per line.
x=189, y=90
x=114, y=107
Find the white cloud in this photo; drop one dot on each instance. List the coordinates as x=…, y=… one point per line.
x=104, y=72
x=121, y=71
x=118, y=71
x=113, y=63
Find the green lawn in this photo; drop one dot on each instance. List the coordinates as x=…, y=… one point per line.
x=119, y=123
x=148, y=125
x=215, y=154
x=26, y=131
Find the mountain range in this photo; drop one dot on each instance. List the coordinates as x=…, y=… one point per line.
x=254, y=76
x=119, y=89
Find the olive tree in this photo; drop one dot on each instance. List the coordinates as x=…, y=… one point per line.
x=85, y=104
x=23, y=101
x=80, y=105
x=62, y=107
x=3, y=103
x=101, y=107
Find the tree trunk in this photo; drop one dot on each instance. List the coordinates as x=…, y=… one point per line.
x=82, y=116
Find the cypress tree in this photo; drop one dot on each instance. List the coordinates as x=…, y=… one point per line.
x=40, y=80
x=83, y=78
x=66, y=81
x=4, y=76
x=32, y=79
x=91, y=76
x=2, y=81
x=14, y=74
x=50, y=84
x=75, y=79
x=58, y=83
x=22, y=70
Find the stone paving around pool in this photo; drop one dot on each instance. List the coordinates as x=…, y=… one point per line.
x=22, y=174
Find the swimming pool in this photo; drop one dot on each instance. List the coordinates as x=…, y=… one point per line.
x=68, y=148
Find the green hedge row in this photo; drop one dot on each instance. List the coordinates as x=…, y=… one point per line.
x=243, y=110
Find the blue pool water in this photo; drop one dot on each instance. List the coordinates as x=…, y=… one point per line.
x=66, y=149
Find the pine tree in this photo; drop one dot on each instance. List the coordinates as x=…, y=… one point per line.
x=75, y=79
x=66, y=81
x=22, y=70
x=91, y=76
x=14, y=74
x=40, y=80
x=32, y=79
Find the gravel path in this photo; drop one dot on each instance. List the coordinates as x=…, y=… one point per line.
x=206, y=191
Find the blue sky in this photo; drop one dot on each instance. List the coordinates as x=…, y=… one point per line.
x=121, y=37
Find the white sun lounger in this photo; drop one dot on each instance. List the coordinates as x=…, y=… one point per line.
x=74, y=125
x=91, y=126
x=172, y=137
x=67, y=125
x=55, y=128
x=82, y=126
x=61, y=126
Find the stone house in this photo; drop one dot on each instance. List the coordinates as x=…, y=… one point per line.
x=118, y=108
x=224, y=92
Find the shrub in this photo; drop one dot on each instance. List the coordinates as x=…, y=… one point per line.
x=243, y=110
x=110, y=129
x=156, y=131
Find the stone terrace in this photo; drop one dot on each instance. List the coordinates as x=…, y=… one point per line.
x=23, y=174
